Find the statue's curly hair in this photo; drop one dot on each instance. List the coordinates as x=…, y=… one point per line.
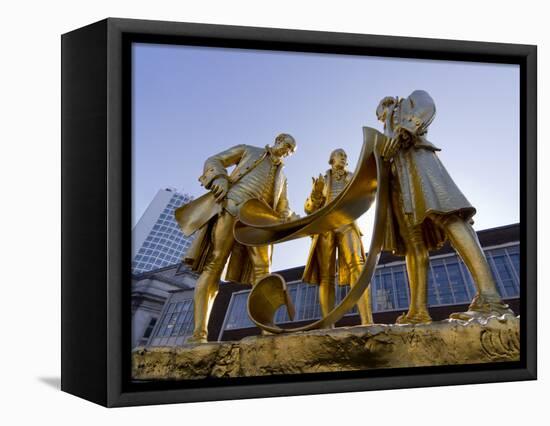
x=288, y=138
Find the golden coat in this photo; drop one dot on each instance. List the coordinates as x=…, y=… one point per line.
x=199, y=216
x=311, y=270
x=421, y=186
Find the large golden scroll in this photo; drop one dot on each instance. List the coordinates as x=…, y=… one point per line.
x=259, y=225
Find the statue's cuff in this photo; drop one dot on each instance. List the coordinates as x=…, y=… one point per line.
x=206, y=180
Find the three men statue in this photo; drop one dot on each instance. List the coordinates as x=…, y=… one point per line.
x=426, y=209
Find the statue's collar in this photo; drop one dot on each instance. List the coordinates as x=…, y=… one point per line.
x=274, y=159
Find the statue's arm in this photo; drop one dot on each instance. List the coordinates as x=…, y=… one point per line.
x=215, y=166
x=316, y=198
x=312, y=205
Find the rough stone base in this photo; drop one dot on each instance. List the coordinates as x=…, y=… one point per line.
x=342, y=349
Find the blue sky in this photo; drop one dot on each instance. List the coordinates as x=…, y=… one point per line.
x=192, y=102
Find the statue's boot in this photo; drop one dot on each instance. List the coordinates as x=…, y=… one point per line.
x=483, y=307
x=487, y=302
x=197, y=338
x=414, y=318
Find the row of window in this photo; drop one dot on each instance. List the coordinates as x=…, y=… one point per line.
x=167, y=238
x=165, y=245
x=175, y=248
x=449, y=283
x=153, y=238
x=305, y=298
x=153, y=263
x=160, y=257
x=175, y=325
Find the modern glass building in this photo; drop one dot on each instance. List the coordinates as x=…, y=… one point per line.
x=157, y=240
x=450, y=289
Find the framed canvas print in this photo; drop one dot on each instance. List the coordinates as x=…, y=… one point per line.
x=252, y=212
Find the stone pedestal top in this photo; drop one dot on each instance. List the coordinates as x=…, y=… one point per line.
x=342, y=349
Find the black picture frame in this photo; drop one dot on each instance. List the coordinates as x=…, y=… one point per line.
x=96, y=231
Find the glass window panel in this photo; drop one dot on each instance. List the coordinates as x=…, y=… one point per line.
x=513, y=254
x=150, y=328
x=433, y=295
x=383, y=291
x=238, y=316
x=308, y=301
x=441, y=281
x=506, y=275
x=401, y=286
x=457, y=282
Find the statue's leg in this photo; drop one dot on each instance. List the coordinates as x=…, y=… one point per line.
x=207, y=285
x=349, y=247
x=417, y=263
x=465, y=241
x=326, y=259
x=260, y=262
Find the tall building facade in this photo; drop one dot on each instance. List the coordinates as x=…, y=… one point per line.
x=157, y=240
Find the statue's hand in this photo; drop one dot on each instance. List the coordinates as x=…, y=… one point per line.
x=219, y=188
x=390, y=148
x=318, y=185
x=293, y=216
x=289, y=217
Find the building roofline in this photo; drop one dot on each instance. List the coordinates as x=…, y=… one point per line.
x=156, y=274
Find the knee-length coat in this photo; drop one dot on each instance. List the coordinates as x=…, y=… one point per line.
x=199, y=216
x=311, y=273
x=423, y=185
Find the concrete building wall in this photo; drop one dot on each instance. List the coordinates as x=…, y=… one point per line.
x=148, y=299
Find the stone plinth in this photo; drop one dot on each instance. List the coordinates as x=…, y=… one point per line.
x=342, y=349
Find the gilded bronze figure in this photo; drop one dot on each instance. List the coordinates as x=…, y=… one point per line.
x=258, y=174
x=346, y=240
x=426, y=208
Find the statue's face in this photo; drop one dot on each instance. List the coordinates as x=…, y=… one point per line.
x=339, y=159
x=283, y=147
x=383, y=108
x=382, y=115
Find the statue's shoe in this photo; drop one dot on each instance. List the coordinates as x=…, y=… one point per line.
x=196, y=339
x=417, y=318
x=483, y=307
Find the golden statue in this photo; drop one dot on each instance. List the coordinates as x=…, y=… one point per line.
x=321, y=264
x=258, y=174
x=426, y=207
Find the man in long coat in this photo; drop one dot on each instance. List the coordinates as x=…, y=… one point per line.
x=427, y=208
x=258, y=173
x=321, y=264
